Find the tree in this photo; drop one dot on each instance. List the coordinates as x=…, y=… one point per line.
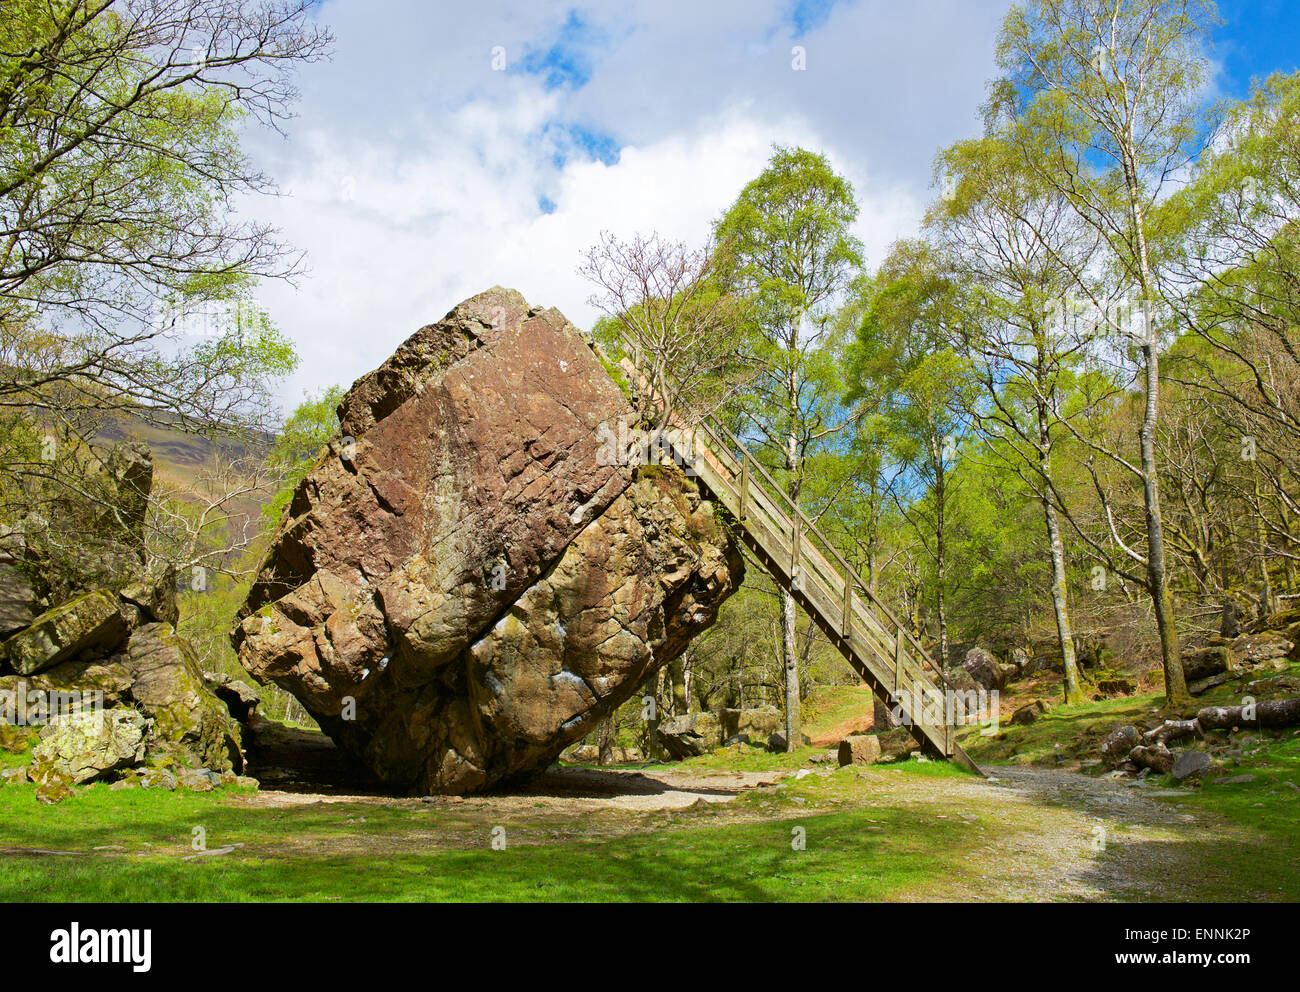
x=1233, y=247
x=126, y=275
x=306, y=431
x=685, y=329
x=905, y=349
x=119, y=166
x=1104, y=99
x=788, y=247
x=1016, y=245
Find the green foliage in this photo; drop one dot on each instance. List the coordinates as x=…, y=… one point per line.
x=305, y=433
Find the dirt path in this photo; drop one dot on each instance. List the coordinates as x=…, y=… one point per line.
x=1053, y=835
x=1041, y=834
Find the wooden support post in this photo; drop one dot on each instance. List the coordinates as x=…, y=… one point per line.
x=744, y=486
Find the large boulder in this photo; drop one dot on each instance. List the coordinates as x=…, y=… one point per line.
x=758, y=723
x=981, y=666
x=168, y=685
x=88, y=745
x=689, y=735
x=17, y=598
x=92, y=622
x=464, y=585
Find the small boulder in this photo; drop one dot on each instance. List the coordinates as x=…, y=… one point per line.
x=860, y=749
x=158, y=778
x=981, y=666
x=197, y=779
x=758, y=723
x=776, y=742
x=1208, y=661
x=1230, y=620
x=1118, y=743
x=1116, y=687
x=1030, y=712
x=1156, y=757
x=1236, y=780
x=1189, y=764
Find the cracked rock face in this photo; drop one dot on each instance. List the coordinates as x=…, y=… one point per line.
x=460, y=589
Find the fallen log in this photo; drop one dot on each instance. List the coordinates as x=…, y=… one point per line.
x=1266, y=713
x=1172, y=730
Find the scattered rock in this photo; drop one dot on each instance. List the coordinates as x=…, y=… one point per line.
x=197, y=779
x=1236, y=780
x=1204, y=685
x=1258, y=649
x=1274, y=685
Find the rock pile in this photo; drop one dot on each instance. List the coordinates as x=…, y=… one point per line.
x=101, y=683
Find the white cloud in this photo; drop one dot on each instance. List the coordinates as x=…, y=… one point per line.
x=414, y=176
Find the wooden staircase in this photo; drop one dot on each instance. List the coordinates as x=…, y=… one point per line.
x=880, y=648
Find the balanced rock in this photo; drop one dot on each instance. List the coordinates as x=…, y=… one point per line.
x=465, y=583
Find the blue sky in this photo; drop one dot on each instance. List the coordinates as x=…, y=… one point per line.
x=451, y=147
x=1258, y=37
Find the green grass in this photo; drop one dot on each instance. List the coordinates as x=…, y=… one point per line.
x=326, y=852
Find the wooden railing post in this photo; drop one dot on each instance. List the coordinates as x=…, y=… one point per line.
x=744, y=486
x=898, y=656
x=846, y=628
x=795, y=549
